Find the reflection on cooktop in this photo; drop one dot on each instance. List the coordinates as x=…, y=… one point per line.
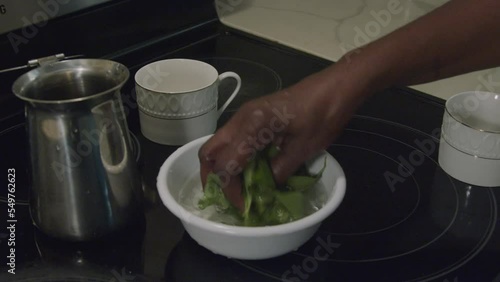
x=80, y=261
x=402, y=219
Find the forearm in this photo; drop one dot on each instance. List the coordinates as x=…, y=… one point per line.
x=459, y=37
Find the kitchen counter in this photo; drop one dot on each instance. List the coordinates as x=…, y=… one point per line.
x=331, y=28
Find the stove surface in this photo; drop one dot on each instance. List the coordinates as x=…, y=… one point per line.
x=402, y=219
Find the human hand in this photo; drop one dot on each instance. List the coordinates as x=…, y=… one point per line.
x=300, y=120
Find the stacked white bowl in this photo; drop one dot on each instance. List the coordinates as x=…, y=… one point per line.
x=470, y=138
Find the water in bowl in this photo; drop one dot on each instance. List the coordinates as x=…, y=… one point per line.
x=192, y=192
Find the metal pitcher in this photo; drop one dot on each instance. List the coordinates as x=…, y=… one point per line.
x=84, y=179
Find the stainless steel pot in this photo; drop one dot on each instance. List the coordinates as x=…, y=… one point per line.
x=84, y=180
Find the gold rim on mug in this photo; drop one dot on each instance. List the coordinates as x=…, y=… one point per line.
x=446, y=139
x=462, y=122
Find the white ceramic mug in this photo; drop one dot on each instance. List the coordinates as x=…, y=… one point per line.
x=178, y=100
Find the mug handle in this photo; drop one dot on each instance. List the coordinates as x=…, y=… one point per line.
x=236, y=90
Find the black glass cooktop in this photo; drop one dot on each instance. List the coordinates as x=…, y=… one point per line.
x=402, y=219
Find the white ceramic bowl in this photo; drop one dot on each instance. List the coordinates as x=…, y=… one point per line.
x=239, y=241
x=470, y=138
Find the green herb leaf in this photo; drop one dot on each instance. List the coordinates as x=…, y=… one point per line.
x=213, y=194
x=293, y=201
x=302, y=183
x=264, y=203
x=272, y=151
x=248, y=180
x=277, y=214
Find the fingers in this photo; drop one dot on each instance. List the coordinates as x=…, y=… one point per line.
x=238, y=141
x=213, y=158
x=233, y=192
x=223, y=155
x=206, y=165
x=250, y=130
x=288, y=160
x=226, y=151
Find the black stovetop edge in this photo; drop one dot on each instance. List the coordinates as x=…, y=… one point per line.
x=155, y=48
x=203, y=29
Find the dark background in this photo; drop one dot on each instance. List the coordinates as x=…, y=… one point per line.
x=101, y=30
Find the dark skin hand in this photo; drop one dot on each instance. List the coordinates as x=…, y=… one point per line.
x=459, y=37
x=289, y=119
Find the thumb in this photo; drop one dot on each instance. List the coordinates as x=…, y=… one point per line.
x=287, y=161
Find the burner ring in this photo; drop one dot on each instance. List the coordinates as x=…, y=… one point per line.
x=459, y=213
x=394, y=224
x=441, y=234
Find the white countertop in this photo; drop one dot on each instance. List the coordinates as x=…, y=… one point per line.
x=330, y=28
